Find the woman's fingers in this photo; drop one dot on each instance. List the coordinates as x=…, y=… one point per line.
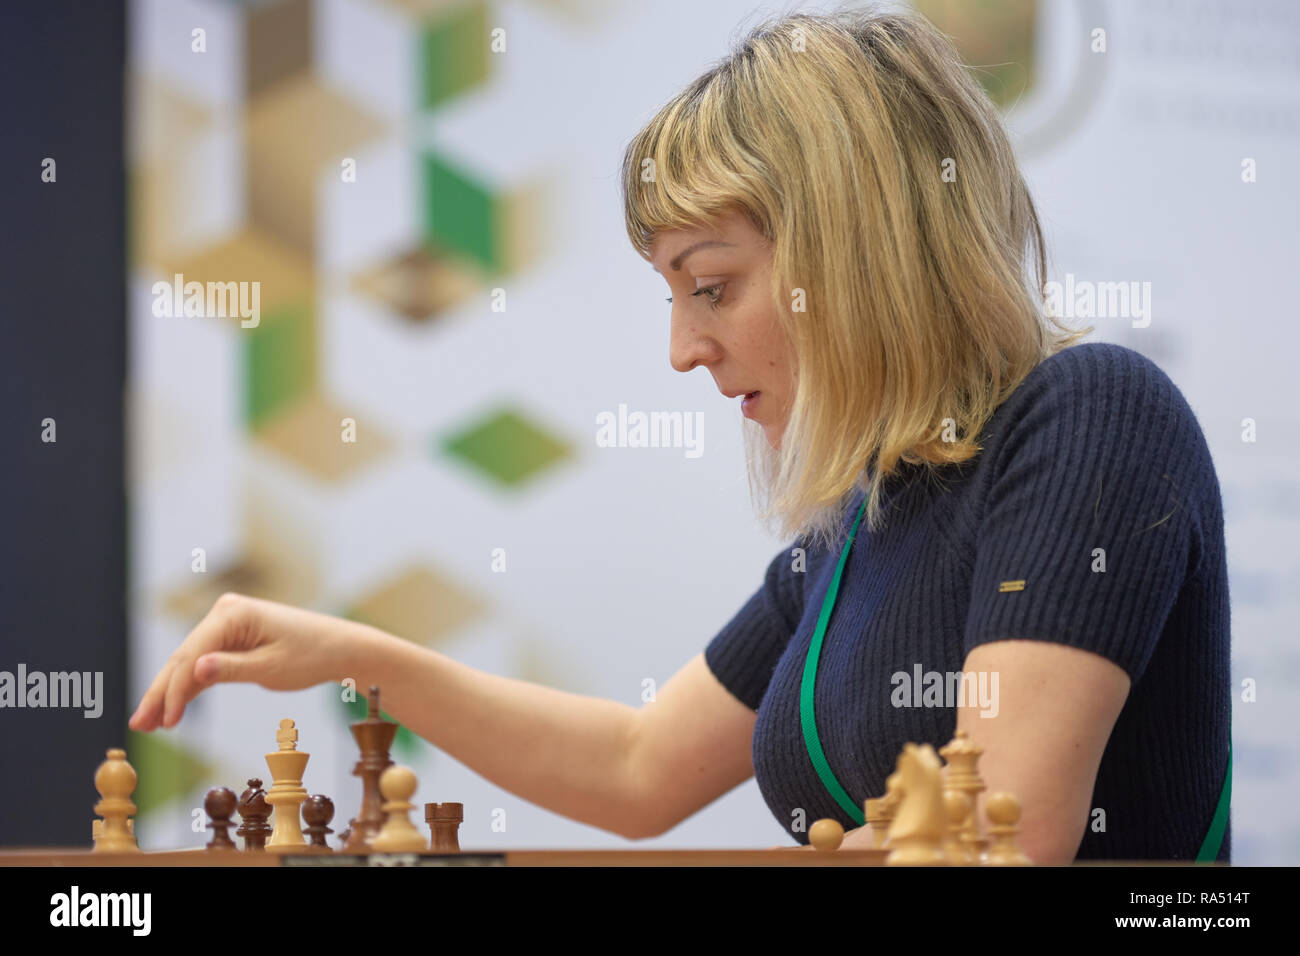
x=212, y=634
x=219, y=667
x=181, y=689
x=240, y=639
x=225, y=626
x=148, y=714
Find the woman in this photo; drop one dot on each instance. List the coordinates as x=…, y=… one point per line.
x=976, y=504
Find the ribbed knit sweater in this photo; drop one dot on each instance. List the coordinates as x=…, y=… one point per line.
x=1096, y=449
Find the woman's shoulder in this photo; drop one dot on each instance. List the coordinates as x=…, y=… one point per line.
x=1100, y=369
x=1098, y=415
x=1112, y=394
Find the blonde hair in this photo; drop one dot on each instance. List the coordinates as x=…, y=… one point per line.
x=833, y=134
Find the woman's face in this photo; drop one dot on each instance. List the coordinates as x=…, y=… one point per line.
x=723, y=318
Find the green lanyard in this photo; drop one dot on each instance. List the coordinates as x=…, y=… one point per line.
x=1209, y=847
x=806, y=715
x=1209, y=851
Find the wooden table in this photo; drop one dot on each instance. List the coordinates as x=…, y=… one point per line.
x=527, y=858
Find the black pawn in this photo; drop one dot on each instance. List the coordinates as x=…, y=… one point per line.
x=255, y=811
x=317, y=812
x=220, y=807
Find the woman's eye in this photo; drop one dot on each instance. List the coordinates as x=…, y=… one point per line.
x=711, y=292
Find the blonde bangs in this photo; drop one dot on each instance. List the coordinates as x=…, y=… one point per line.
x=696, y=165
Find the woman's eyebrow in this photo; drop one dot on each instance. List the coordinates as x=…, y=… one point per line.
x=676, y=264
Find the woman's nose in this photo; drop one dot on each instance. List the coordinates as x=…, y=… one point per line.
x=688, y=346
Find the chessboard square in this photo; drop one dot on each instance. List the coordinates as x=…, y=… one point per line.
x=420, y=605
x=507, y=447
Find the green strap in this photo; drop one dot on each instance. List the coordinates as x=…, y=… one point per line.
x=1209, y=851
x=806, y=715
x=1214, y=839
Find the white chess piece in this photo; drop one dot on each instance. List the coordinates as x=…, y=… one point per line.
x=398, y=835
x=287, y=792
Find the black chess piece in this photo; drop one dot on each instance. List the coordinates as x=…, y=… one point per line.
x=374, y=737
x=219, y=804
x=444, y=820
x=254, y=811
x=317, y=812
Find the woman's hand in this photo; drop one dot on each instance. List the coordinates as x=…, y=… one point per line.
x=250, y=640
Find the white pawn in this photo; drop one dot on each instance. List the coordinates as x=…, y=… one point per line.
x=398, y=834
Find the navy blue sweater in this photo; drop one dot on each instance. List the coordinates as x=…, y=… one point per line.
x=1097, y=448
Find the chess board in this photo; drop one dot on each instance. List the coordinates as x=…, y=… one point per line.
x=927, y=817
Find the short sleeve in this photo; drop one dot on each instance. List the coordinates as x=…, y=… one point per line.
x=745, y=652
x=1090, y=525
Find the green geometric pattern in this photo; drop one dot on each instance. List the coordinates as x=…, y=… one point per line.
x=165, y=771
x=463, y=217
x=507, y=447
x=279, y=363
x=469, y=225
x=453, y=55
x=995, y=39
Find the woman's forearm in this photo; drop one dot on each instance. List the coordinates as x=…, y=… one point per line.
x=564, y=752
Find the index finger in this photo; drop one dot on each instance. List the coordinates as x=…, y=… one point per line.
x=149, y=711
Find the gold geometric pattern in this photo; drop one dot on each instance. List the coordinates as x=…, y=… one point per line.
x=420, y=605
x=418, y=284
x=277, y=562
x=277, y=43
x=312, y=434
x=251, y=255
x=292, y=130
x=164, y=177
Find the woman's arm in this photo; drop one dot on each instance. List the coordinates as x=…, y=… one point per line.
x=1056, y=707
x=636, y=772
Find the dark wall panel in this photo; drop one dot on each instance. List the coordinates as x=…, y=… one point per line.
x=63, y=357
